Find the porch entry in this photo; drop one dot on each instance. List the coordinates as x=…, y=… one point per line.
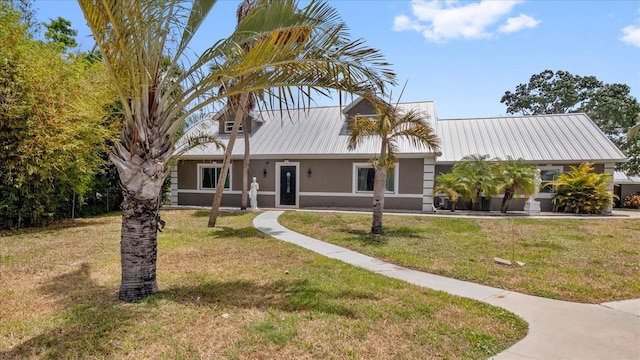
x=287, y=184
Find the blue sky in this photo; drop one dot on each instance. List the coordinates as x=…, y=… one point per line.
x=464, y=54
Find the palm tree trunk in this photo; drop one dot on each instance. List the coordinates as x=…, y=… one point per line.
x=379, y=187
x=506, y=200
x=217, y=198
x=245, y=167
x=138, y=247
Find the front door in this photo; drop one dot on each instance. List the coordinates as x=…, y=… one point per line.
x=288, y=185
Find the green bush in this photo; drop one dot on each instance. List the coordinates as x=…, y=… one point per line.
x=581, y=191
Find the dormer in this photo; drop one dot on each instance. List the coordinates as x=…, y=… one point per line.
x=359, y=107
x=226, y=118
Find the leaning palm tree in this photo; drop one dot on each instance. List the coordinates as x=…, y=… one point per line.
x=389, y=125
x=135, y=36
x=515, y=176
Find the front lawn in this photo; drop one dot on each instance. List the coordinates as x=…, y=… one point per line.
x=225, y=293
x=584, y=260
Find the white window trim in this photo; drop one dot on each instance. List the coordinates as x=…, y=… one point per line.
x=212, y=166
x=354, y=181
x=228, y=126
x=560, y=168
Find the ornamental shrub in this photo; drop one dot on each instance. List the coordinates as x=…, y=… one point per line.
x=581, y=191
x=632, y=201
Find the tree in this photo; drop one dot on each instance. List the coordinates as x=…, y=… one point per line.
x=59, y=31
x=389, y=125
x=135, y=36
x=327, y=42
x=513, y=177
x=610, y=106
x=53, y=125
x=450, y=185
x=582, y=191
x=475, y=173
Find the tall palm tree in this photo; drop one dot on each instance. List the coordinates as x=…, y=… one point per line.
x=450, y=185
x=515, y=176
x=134, y=37
x=390, y=125
x=476, y=173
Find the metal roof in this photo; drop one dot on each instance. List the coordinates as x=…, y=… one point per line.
x=298, y=133
x=541, y=138
x=620, y=177
x=321, y=132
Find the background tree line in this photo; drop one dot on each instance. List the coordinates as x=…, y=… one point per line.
x=57, y=122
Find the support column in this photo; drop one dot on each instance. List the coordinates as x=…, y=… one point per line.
x=428, y=178
x=174, y=185
x=609, y=168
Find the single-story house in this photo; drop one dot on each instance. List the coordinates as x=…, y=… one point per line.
x=300, y=157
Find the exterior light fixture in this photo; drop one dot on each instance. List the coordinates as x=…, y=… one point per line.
x=309, y=172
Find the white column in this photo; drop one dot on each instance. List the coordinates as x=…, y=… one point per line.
x=174, y=185
x=428, y=177
x=609, y=168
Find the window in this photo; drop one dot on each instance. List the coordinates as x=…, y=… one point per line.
x=209, y=174
x=549, y=173
x=364, y=175
x=228, y=126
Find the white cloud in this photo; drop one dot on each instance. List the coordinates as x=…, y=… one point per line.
x=518, y=23
x=631, y=35
x=440, y=20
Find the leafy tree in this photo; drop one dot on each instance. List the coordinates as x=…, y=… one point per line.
x=451, y=185
x=59, y=31
x=513, y=177
x=610, y=106
x=582, y=191
x=52, y=129
x=389, y=125
x=475, y=173
x=302, y=48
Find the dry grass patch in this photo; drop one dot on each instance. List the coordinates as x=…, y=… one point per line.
x=590, y=260
x=225, y=293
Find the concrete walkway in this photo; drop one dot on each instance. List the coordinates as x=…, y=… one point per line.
x=557, y=329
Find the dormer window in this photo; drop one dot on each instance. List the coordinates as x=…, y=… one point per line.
x=228, y=126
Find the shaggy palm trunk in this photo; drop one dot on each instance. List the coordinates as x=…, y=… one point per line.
x=379, y=186
x=506, y=200
x=138, y=247
x=217, y=198
x=245, y=167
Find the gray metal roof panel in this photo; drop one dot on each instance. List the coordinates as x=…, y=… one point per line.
x=306, y=132
x=564, y=137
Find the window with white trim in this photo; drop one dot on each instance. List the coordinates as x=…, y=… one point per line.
x=209, y=174
x=364, y=174
x=547, y=174
x=228, y=126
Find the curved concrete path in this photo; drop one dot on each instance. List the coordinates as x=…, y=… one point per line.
x=557, y=329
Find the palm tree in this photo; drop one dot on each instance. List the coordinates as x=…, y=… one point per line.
x=476, y=173
x=634, y=132
x=135, y=36
x=515, y=176
x=320, y=39
x=450, y=185
x=390, y=125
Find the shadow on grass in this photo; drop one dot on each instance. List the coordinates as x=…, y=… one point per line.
x=90, y=317
x=227, y=232
x=59, y=225
x=90, y=320
x=286, y=295
x=206, y=213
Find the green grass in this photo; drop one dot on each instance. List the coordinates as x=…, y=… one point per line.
x=58, y=291
x=590, y=260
